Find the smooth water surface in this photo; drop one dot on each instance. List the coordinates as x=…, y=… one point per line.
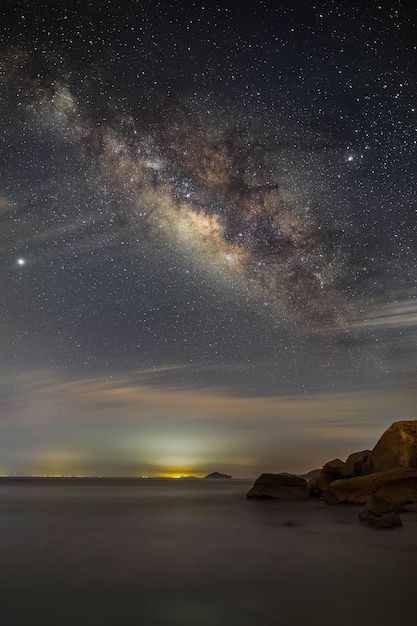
x=194, y=553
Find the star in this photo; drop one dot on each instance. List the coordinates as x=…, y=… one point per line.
x=242, y=218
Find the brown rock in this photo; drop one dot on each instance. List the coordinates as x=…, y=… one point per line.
x=279, y=487
x=319, y=484
x=385, y=520
x=380, y=514
x=329, y=472
x=398, y=486
x=388, y=520
x=378, y=506
x=354, y=463
x=396, y=448
x=366, y=517
x=333, y=468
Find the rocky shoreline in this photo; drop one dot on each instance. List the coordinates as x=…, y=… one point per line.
x=383, y=479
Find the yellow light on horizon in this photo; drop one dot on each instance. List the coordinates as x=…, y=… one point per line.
x=175, y=472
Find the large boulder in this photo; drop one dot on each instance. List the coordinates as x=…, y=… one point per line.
x=397, y=448
x=380, y=514
x=279, y=487
x=354, y=463
x=385, y=520
x=329, y=472
x=319, y=484
x=333, y=468
x=397, y=486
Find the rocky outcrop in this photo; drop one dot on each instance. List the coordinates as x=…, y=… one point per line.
x=383, y=479
x=329, y=472
x=386, y=520
x=398, y=486
x=318, y=485
x=333, y=468
x=279, y=487
x=396, y=448
x=354, y=464
x=380, y=514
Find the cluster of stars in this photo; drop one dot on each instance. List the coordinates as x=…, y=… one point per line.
x=204, y=184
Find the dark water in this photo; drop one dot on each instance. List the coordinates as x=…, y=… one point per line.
x=194, y=553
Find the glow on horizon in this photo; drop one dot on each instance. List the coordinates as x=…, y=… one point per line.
x=112, y=427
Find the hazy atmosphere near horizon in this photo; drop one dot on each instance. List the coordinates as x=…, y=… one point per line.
x=208, y=234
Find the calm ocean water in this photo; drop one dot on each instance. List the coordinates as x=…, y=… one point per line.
x=194, y=553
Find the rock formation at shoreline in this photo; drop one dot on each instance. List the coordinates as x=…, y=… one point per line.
x=279, y=487
x=396, y=448
x=380, y=514
x=398, y=486
x=384, y=479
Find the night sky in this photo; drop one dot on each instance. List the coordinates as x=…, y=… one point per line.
x=208, y=233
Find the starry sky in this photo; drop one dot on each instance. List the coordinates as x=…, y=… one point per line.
x=208, y=233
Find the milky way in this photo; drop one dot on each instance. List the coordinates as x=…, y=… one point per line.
x=213, y=193
x=181, y=191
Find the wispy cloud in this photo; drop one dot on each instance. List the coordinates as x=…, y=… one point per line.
x=398, y=314
x=107, y=421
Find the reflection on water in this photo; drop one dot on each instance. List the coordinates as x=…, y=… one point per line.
x=194, y=553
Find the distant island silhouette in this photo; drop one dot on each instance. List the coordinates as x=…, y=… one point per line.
x=217, y=475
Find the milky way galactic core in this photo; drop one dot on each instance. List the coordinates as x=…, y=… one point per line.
x=223, y=193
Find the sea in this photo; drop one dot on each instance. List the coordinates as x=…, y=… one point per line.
x=132, y=552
